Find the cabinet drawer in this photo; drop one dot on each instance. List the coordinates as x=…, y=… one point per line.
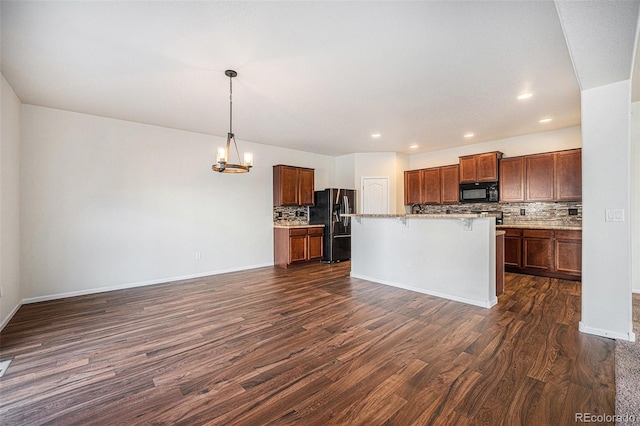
x=568, y=235
x=537, y=233
x=512, y=232
x=297, y=232
x=316, y=231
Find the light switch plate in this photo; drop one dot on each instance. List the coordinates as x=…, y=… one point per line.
x=614, y=215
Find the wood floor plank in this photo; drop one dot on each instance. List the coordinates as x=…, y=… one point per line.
x=307, y=345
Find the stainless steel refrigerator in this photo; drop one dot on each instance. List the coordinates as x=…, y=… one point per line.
x=330, y=207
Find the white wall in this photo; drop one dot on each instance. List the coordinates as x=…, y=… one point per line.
x=635, y=196
x=345, y=169
x=553, y=140
x=9, y=202
x=425, y=255
x=110, y=203
x=403, y=162
x=376, y=164
x=606, y=262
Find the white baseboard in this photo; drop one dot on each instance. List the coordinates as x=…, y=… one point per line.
x=8, y=318
x=473, y=302
x=630, y=336
x=139, y=284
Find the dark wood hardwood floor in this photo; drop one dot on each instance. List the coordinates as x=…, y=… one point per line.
x=308, y=345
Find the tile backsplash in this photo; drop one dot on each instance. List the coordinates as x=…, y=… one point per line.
x=291, y=215
x=557, y=212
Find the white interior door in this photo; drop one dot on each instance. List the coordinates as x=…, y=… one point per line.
x=375, y=195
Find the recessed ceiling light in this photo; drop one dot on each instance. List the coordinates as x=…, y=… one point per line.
x=375, y=135
x=545, y=120
x=414, y=146
x=469, y=135
x=525, y=96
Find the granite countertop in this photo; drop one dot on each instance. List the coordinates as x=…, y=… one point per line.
x=498, y=233
x=542, y=225
x=293, y=225
x=427, y=216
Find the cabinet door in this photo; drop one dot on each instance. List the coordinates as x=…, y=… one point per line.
x=513, y=248
x=512, y=179
x=537, y=248
x=412, y=187
x=297, y=248
x=487, y=167
x=449, y=179
x=315, y=243
x=568, y=175
x=468, y=169
x=431, y=186
x=568, y=252
x=285, y=185
x=305, y=186
x=539, y=177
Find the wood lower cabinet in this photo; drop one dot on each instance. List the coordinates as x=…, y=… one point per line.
x=568, y=252
x=546, y=252
x=537, y=249
x=314, y=243
x=499, y=264
x=296, y=245
x=513, y=248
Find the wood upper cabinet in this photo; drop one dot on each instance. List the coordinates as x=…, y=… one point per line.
x=449, y=180
x=568, y=175
x=553, y=176
x=512, y=179
x=292, y=186
x=480, y=167
x=431, y=186
x=435, y=185
x=306, y=185
x=412, y=187
x=539, y=180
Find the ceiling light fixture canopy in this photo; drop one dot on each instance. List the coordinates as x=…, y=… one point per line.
x=222, y=159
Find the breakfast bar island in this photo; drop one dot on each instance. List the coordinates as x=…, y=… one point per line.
x=445, y=255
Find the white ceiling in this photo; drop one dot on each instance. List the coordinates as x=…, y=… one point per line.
x=314, y=76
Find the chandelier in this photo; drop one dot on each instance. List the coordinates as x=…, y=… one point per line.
x=222, y=158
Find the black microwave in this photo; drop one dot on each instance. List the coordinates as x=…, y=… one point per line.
x=480, y=192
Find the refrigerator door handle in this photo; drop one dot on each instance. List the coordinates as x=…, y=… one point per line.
x=347, y=209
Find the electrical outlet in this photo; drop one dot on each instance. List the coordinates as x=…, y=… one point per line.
x=523, y=212
x=198, y=255
x=407, y=263
x=573, y=212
